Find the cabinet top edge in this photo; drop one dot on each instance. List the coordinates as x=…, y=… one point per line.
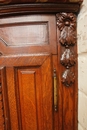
x=39, y=1
x=15, y=9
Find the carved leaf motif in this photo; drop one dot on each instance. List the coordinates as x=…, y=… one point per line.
x=68, y=58
x=68, y=78
x=67, y=37
x=66, y=23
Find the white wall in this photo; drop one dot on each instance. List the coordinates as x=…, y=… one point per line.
x=82, y=67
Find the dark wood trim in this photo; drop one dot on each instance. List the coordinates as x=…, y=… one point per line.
x=38, y=8
x=38, y=1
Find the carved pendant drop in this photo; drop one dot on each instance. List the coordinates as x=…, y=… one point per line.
x=68, y=78
x=68, y=58
x=66, y=23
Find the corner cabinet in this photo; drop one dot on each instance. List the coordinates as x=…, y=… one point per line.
x=38, y=66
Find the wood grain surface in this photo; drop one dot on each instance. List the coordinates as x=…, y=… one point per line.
x=32, y=46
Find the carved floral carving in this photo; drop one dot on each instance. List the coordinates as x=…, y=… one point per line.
x=66, y=23
x=68, y=78
x=68, y=58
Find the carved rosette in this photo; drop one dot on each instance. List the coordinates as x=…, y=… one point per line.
x=66, y=23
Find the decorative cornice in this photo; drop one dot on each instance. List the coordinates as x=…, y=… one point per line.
x=38, y=8
x=68, y=78
x=68, y=58
x=40, y=1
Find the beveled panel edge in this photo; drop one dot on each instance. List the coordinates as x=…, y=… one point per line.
x=38, y=8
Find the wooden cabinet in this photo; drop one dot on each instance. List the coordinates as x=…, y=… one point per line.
x=38, y=68
x=27, y=71
x=29, y=92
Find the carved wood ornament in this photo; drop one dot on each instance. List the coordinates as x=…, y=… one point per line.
x=66, y=23
x=68, y=78
x=68, y=58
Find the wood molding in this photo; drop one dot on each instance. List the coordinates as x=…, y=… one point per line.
x=38, y=8
x=38, y=1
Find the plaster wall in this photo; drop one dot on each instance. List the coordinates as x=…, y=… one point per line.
x=82, y=67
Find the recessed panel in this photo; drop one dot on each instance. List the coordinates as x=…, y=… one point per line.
x=24, y=34
x=28, y=34
x=27, y=92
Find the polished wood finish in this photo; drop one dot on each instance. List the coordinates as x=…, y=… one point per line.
x=68, y=69
x=16, y=9
x=37, y=45
x=28, y=34
x=29, y=86
x=38, y=1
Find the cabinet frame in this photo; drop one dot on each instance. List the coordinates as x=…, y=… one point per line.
x=66, y=56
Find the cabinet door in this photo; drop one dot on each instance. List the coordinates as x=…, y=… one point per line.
x=28, y=80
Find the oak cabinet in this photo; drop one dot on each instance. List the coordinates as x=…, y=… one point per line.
x=28, y=44
x=38, y=67
x=29, y=92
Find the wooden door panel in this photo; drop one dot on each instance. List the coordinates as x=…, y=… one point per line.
x=29, y=84
x=47, y=95
x=28, y=104
x=28, y=34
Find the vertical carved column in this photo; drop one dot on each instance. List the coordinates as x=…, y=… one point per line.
x=67, y=60
x=66, y=23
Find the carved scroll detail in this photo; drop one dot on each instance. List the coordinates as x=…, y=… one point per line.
x=68, y=78
x=68, y=58
x=66, y=23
